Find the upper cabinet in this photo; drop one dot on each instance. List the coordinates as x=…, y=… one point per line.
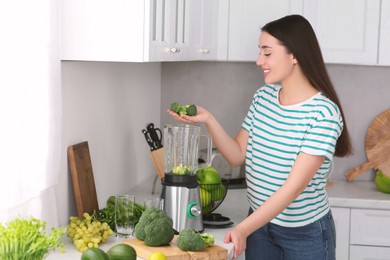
x=348, y=31
x=203, y=32
x=138, y=30
x=384, y=43
x=245, y=19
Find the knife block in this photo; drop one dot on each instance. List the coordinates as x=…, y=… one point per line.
x=157, y=157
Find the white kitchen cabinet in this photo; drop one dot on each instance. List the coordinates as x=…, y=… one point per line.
x=100, y=30
x=203, y=31
x=384, y=42
x=370, y=227
x=362, y=234
x=341, y=218
x=369, y=253
x=245, y=21
x=348, y=31
x=123, y=30
x=169, y=34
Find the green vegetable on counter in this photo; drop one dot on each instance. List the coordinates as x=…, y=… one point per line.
x=107, y=214
x=26, y=239
x=189, y=110
x=155, y=228
x=190, y=240
x=182, y=170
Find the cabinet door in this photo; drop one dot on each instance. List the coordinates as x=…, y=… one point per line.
x=370, y=227
x=369, y=253
x=102, y=30
x=384, y=42
x=341, y=219
x=348, y=30
x=245, y=21
x=203, y=29
x=168, y=36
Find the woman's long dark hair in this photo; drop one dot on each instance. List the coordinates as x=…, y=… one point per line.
x=297, y=35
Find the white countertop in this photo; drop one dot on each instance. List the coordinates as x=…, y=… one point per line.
x=357, y=194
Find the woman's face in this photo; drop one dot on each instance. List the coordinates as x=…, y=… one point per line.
x=277, y=64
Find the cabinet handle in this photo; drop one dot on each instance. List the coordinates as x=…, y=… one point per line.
x=174, y=50
x=204, y=51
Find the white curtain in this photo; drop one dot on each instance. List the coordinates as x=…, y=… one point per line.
x=30, y=108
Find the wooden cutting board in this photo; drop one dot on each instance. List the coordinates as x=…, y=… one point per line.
x=174, y=253
x=377, y=147
x=80, y=167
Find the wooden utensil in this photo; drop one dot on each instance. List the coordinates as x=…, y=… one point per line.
x=84, y=190
x=174, y=253
x=158, y=161
x=377, y=147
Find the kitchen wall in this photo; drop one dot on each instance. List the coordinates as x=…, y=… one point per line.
x=108, y=104
x=226, y=89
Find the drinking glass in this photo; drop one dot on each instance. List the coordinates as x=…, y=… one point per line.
x=154, y=203
x=124, y=215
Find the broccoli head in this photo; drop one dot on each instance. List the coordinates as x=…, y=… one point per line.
x=175, y=107
x=154, y=227
x=189, y=240
x=189, y=110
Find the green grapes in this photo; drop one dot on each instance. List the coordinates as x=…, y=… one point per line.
x=88, y=232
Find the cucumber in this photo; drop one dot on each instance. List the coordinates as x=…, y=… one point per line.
x=94, y=254
x=122, y=252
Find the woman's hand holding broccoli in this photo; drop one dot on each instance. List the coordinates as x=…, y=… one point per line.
x=201, y=116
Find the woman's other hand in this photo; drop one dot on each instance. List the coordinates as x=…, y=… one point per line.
x=238, y=238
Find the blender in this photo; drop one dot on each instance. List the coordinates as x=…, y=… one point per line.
x=180, y=189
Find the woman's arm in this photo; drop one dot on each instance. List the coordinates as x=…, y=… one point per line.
x=233, y=150
x=301, y=173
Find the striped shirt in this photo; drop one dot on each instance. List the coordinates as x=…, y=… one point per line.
x=277, y=134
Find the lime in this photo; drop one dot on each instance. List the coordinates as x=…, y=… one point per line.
x=122, y=252
x=157, y=256
x=94, y=254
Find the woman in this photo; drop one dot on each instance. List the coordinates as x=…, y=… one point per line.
x=293, y=128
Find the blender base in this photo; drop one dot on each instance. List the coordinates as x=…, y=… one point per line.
x=182, y=204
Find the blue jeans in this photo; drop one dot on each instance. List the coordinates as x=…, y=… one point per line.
x=316, y=241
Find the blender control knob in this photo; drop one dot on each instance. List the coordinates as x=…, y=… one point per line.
x=194, y=210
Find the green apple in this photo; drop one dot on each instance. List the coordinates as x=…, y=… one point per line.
x=210, y=177
x=382, y=182
x=205, y=197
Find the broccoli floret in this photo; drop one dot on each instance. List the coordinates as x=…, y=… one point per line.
x=182, y=110
x=208, y=239
x=175, y=107
x=190, y=240
x=191, y=110
x=154, y=227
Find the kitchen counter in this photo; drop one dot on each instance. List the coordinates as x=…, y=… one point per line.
x=144, y=190
x=357, y=194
